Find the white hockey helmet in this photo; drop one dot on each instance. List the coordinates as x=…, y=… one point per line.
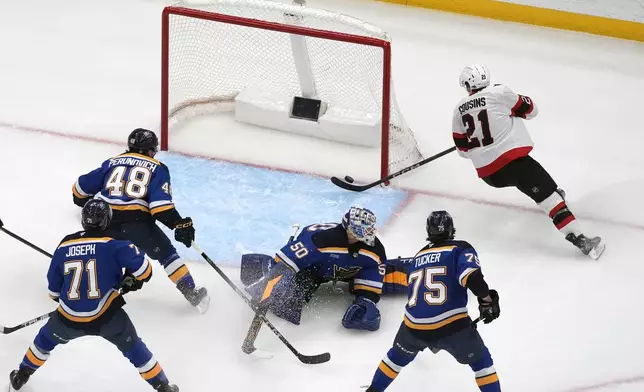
x=475, y=77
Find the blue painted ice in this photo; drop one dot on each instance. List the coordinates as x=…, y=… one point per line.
x=241, y=209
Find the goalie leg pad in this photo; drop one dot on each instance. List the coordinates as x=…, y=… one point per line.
x=291, y=293
x=255, y=266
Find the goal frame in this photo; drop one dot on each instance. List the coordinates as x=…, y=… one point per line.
x=266, y=25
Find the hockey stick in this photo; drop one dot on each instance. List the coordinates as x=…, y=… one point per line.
x=248, y=346
x=24, y=241
x=359, y=188
x=8, y=330
x=308, y=359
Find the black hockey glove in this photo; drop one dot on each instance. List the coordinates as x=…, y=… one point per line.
x=490, y=310
x=130, y=283
x=81, y=201
x=184, y=232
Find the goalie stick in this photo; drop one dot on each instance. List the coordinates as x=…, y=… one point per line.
x=307, y=359
x=360, y=188
x=248, y=347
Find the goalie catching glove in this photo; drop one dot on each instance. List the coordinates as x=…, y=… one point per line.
x=362, y=314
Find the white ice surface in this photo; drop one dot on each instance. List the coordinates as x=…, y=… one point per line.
x=568, y=324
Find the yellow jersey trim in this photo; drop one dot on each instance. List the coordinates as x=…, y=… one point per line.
x=88, y=239
x=430, y=327
x=140, y=156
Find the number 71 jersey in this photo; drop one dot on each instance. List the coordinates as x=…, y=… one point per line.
x=488, y=128
x=133, y=184
x=437, y=289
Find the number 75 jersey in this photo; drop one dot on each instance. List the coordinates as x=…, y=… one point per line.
x=488, y=128
x=437, y=291
x=133, y=184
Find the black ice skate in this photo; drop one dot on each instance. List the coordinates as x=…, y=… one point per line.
x=167, y=388
x=592, y=247
x=18, y=378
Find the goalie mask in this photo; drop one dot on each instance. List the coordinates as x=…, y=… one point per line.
x=361, y=224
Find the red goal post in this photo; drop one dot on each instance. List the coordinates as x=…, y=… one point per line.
x=388, y=105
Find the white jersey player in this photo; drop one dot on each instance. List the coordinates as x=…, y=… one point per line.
x=488, y=129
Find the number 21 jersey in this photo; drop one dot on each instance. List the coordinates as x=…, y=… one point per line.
x=488, y=128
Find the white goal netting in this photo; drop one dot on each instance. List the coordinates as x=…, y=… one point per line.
x=215, y=59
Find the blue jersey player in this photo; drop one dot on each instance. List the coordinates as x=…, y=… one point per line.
x=138, y=189
x=436, y=313
x=321, y=253
x=85, y=276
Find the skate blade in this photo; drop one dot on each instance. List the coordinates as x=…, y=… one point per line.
x=202, y=307
x=597, y=251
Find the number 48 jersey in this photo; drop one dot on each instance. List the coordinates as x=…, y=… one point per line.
x=437, y=290
x=488, y=128
x=136, y=186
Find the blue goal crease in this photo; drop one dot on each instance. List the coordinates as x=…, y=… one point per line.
x=240, y=209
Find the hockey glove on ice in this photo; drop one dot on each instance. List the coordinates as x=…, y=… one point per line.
x=490, y=310
x=130, y=283
x=362, y=314
x=184, y=232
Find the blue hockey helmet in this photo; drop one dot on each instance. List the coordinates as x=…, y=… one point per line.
x=440, y=226
x=361, y=224
x=96, y=214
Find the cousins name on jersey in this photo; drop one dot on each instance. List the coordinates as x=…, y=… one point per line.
x=472, y=104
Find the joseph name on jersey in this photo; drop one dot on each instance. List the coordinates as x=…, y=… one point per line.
x=437, y=286
x=488, y=128
x=131, y=183
x=85, y=273
x=325, y=249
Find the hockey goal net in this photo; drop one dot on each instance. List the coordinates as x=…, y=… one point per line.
x=286, y=67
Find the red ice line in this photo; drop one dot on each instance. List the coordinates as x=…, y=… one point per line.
x=411, y=192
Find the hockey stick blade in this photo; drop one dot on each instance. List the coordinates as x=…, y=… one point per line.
x=8, y=330
x=360, y=188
